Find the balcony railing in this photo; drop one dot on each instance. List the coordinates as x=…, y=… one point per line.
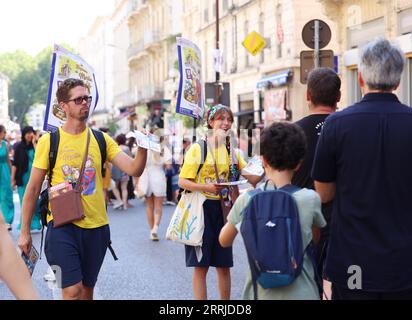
x=135, y=49
x=151, y=92
x=134, y=6
x=151, y=37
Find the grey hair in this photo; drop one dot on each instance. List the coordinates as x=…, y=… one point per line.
x=381, y=65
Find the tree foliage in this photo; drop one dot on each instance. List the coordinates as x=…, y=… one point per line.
x=29, y=80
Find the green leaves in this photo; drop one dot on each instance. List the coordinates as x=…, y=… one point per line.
x=29, y=79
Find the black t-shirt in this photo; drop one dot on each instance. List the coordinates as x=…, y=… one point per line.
x=312, y=126
x=366, y=150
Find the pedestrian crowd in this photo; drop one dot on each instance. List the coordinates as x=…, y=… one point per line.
x=337, y=181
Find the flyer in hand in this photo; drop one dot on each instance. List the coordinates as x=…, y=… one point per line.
x=233, y=183
x=150, y=141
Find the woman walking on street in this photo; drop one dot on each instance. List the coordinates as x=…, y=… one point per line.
x=6, y=194
x=153, y=184
x=219, y=154
x=23, y=155
x=121, y=178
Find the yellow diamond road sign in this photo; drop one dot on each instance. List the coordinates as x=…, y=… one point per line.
x=254, y=43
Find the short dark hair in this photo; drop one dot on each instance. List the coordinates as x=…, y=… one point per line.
x=283, y=145
x=324, y=86
x=121, y=139
x=2, y=128
x=62, y=92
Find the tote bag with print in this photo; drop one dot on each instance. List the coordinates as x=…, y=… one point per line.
x=187, y=223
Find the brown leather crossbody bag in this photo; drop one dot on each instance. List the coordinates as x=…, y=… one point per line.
x=67, y=207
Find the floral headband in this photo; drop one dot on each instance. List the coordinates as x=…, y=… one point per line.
x=213, y=111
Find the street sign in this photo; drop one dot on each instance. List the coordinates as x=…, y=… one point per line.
x=254, y=43
x=326, y=59
x=308, y=34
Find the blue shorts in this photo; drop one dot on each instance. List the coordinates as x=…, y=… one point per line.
x=175, y=183
x=78, y=252
x=214, y=255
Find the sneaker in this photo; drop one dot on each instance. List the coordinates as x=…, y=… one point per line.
x=154, y=236
x=118, y=205
x=49, y=276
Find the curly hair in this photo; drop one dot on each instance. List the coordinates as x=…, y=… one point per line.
x=63, y=91
x=218, y=110
x=283, y=145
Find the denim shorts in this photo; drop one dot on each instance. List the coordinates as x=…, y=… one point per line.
x=78, y=252
x=214, y=255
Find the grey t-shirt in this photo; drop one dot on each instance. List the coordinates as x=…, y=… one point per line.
x=304, y=287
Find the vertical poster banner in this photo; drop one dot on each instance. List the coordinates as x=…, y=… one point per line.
x=190, y=98
x=66, y=65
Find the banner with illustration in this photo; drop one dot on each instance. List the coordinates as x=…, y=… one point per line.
x=66, y=65
x=190, y=98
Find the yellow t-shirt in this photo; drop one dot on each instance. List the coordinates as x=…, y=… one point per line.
x=207, y=173
x=67, y=168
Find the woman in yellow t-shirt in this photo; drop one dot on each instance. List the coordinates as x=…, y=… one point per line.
x=219, y=119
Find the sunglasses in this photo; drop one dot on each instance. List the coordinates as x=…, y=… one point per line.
x=79, y=100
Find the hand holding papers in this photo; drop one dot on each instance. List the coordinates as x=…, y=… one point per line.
x=254, y=167
x=149, y=141
x=233, y=183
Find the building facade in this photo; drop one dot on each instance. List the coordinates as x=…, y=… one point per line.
x=96, y=48
x=265, y=87
x=359, y=21
x=153, y=27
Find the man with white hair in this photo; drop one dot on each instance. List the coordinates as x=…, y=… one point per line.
x=363, y=162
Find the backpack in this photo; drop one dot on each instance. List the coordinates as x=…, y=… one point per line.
x=203, y=154
x=272, y=236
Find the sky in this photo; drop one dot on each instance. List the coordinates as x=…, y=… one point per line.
x=32, y=25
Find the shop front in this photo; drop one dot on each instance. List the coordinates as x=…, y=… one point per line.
x=275, y=91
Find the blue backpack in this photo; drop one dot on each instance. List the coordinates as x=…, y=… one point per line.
x=271, y=232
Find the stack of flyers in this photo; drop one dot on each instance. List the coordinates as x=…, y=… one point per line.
x=233, y=183
x=254, y=167
x=60, y=189
x=150, y=141
x=31, y=259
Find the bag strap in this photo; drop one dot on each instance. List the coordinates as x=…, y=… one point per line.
x=54, y=148
x=101, y=141
x=222, y=204
x=79, y=181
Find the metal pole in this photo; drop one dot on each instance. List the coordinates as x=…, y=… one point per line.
x=316, y=53
x=217, y=85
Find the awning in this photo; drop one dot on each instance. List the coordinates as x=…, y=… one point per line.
x=275, y=79
x=246, y=112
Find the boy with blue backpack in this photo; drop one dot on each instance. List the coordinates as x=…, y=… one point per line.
x=276, y=222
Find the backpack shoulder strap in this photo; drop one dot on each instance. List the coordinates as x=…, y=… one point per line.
x=101, y=141
x=290, y=188
x=203, y=153
x=54, y=148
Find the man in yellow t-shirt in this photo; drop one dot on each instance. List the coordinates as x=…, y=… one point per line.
x=77, y=248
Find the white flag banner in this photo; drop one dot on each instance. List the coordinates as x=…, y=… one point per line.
x=190, y=98
x=67, y=65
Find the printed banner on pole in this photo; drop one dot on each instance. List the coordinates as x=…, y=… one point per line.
x=190, y=98
x=66, y=65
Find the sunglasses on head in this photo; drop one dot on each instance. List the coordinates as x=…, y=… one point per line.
x=79, y=100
